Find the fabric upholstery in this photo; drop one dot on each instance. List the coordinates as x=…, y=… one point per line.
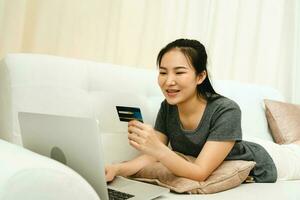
x=284, y=121
x=228, y=175
x=25, y=175
x=57, y=85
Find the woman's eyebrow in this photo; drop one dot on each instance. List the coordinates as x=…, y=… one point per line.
x=180, y=67
x=175, y=68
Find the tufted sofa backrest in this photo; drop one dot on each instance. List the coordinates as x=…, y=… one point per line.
x=65, y=86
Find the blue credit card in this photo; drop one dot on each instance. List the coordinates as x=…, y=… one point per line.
x=127, y=114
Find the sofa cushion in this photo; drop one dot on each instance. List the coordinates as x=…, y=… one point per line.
x=284, y=121
x=228, y=175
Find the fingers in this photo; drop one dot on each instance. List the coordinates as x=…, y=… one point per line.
x=139, y=135
x=109, y=175
x=136, y=123
x=137, y=127
x=135, y=130
x=135, y=144
x=110, y=172
x=136, y=138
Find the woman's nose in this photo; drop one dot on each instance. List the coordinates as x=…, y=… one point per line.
x=170, y=80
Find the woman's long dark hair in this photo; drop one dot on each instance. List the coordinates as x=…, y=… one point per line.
x=196, y=54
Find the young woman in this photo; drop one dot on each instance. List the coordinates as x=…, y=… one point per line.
x=198, y=122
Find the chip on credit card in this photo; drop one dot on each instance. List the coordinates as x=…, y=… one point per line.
x=127, y=114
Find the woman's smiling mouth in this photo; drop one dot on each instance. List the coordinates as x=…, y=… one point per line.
x=172, y=92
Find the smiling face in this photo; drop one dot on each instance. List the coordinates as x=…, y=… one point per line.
x=177, y=78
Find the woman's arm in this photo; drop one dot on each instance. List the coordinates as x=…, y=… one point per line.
x=210, y=157
x=131, y=167
x=143, y=138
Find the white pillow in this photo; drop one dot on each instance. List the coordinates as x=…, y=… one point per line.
x=286, y=158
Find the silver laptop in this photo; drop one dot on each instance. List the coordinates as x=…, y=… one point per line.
x=76, y=142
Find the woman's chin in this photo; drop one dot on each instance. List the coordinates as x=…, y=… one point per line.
x=172, y=101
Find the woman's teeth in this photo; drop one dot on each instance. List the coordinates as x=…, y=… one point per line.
x=172, y=91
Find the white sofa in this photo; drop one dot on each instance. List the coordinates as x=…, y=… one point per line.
x=64, y=86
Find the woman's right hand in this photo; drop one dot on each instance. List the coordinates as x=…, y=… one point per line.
x=111, y=171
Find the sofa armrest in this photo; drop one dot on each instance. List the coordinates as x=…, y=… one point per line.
x=28, y=176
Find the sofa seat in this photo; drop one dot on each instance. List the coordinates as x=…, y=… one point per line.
x=253, y=191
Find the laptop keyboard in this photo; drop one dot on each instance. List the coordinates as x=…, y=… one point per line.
x=116, y=195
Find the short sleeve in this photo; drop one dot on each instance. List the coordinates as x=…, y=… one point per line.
x=160, y=122
x=226, y=123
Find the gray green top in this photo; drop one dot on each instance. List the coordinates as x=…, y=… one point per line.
x=221, y=121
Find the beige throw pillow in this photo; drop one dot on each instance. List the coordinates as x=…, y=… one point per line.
x=228, y=175
x=283, y=120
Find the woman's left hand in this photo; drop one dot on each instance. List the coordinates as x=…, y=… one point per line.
x=144, y=138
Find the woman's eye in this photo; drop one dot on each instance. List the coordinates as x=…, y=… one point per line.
x=162, y=73
x=180, y=72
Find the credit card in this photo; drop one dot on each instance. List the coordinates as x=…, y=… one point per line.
x=127, y=114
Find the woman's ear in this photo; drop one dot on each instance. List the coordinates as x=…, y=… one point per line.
x=201, y=77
